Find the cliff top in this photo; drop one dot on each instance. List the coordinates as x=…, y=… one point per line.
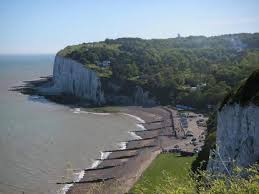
x=195, y=71
x=89, y=54
x=152, y=53
x=247, y=93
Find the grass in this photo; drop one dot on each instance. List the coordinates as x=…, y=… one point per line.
x=170, y=164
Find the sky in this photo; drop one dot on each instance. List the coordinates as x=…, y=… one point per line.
x=46, y=26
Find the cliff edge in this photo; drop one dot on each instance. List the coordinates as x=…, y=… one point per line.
x=72, y=78
x=238, y=128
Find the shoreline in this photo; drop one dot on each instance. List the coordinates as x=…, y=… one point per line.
x=103, y=154
x=30, y=89
x=116, y=171
x=135, y=156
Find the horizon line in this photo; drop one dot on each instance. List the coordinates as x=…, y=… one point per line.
x=114, y=38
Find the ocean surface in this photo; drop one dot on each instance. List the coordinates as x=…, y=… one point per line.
x=42, y=143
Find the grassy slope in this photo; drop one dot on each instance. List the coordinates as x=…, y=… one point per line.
x=171, y=164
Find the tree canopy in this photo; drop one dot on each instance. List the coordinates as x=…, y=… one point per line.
x=194, y=70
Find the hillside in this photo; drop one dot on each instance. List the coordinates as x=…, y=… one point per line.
x=195, y=70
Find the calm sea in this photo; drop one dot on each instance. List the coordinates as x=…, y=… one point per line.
x=41, y=143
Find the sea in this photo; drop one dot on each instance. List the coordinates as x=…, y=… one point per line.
x=41, y=142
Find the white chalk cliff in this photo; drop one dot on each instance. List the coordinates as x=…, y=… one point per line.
x=237, y=137
x=238, y=128
x=71, y=77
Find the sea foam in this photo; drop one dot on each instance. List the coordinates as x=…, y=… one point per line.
x=77, y=177
x=104, y=155
x=134, y=135
x=135, y=117
x=95, y=163
x=141, y=127
x=78, y=111
x=122, y=145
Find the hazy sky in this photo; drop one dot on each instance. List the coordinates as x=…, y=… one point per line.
x=46, y=26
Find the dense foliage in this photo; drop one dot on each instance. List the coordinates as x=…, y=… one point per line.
x=193, y=70
x=248, y=92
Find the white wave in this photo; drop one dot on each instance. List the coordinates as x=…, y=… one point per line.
x=105, y=155
x=64, y=189
x=141, y=127
x=135, y=117
x=78, y=111
x=95, y=163
x=99, y=113
x=122, y=145
x=77, y=177
x=134, y=135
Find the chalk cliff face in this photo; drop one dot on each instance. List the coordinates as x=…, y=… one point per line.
x=70, y=77
x=238, y=127
x=237, y=137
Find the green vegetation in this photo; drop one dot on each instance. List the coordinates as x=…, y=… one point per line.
x=169, y=174
x=104, y=72
x=241, y=181
x=165, y=165
x=247, y=93
x=202, y=159
x=89, y=54
x=165, y=175
x=169, y=68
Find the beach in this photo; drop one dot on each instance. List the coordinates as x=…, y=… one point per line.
x=143, y=132
x=120, y=169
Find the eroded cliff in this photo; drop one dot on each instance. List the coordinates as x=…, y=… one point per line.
x=237, y=137
x=238, y=128
x=71, y=77
x=74, y=79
